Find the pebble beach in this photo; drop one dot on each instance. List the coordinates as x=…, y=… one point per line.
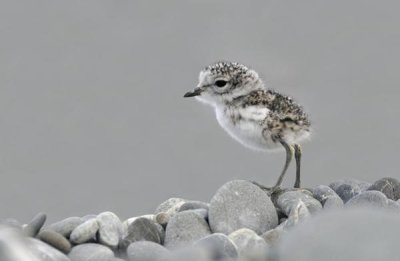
x=240, y=223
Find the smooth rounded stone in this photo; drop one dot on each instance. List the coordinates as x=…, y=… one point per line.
x=388, y=186
x=88, y=217
x=84, y=232
x=161, y=232
x=190, y=253
x=33, y=227
x=272, y=237
x=110, y=229
x=241, y=204
x=146, y=251
x=185, y=228
x=105, y=258
x=250, y=246
x=219, y=246
x=162, y=218
x=344, y=234
x=362, y=185
x=297, y=214
x=203, y=213
x=142, y=229
x=13, y=245
x=90, y=252
x=333, y=202
x=44, y=251
x=348, y=188
x=346, y=191
x=393, y=205
x=170, y=206
x=11, y=222
x=193, y=205
x=56, y=240
x=324, y=193
x=65, y=226
x=369, y=198
x=290, y=199
x=129, y=221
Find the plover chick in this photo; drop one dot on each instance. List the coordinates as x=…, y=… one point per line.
x=257, y=117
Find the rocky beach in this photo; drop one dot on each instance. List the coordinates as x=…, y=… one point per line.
x=345, y=220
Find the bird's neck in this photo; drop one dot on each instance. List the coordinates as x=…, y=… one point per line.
x=238, y=97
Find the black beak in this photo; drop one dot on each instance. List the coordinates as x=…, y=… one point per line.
x=195, y=92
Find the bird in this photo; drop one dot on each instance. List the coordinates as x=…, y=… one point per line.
x=257, y=117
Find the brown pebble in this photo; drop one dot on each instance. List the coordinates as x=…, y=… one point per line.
x=162, y=218
x=56, y=240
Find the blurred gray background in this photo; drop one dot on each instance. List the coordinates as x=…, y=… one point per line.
x=91, y=110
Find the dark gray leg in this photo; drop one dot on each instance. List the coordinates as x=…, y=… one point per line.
x=289, y=156
x=297, y=156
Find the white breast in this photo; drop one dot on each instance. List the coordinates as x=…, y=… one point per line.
x=247, y=129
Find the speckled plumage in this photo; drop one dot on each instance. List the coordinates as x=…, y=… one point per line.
x=284, y=114
x=255, y=116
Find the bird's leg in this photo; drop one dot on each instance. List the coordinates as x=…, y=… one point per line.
x=297, y=156
x=289, y=155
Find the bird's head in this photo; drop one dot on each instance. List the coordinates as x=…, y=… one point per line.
x=222, y=82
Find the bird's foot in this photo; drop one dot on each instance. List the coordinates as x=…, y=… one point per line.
x=269, y=190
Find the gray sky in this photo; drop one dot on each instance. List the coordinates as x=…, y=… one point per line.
x=91, y=110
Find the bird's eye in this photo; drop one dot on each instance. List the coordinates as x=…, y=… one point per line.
x=220, y=83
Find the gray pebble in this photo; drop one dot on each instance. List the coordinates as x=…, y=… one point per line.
x=388, y=186
x=11, y=222
x=273, y=237
x=170, y=206
x=56, y=240
x=343, y=234
x=290, y=199
x=241, y=204
x=110, y=229
x=146, y=251
x=297, y=214
x=348, y=188
x=65, y=226
x=33, y=227
x=141, y=229
x=369, y=198
x=161, y=232
x=129, y=221
x=106, y=259
x=88, y=217
x=333, y=202
x=184, y=228
x=326, y=194
x=321, y=192
x=190, y=253
x=43, y=251
x=203, y=213
x=393, y=205
x=362, y=185
x=219, y=246
x=90, y=252
x=193, y=205
x=347, y=191
x=84, y=232
x=250, y=246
